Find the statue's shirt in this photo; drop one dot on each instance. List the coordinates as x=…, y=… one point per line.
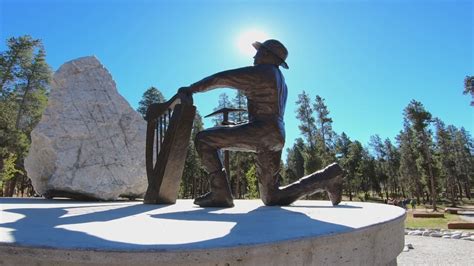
x=266, y=92
x=263, y=85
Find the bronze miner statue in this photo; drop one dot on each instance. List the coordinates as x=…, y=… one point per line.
x=264, y=86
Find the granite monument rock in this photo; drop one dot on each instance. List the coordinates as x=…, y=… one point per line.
x=89, y=143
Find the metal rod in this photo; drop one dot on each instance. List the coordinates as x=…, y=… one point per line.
x=162, y=131
x=158, y=143
x=169, y=115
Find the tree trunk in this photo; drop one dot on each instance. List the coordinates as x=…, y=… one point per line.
x=9, y=187
x=460, y=189
x=1, y=181
x=467, y=189
x=452, y=191
x=418, y=193
x=185, y=189
x=20, y=108
x=194, y=187
x=433, y=189
x=430, y=171
x=30, y=190
x=21, y=186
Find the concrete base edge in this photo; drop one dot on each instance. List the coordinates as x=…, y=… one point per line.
x=378, y=244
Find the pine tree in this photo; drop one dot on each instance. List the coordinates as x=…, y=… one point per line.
x=252, y=183
x=445, y=157
x=420, y=119
x=323, y=120
x=8, y=171
x=239, y=101
x=380, y=164
x=194, y=181
x=240, y=162
x=409, y=173
x=33, y=83
x=392, y=168
x=295, y=162
x=304, y=114
x=325, y=134
x=342, y=146
x=25, y=78
x=469, y=87
x=366, y=174
x=387, y=165
x=150, y=96
x=223, y=102
x=12, y=61
x=464, y=160
x=352, y=164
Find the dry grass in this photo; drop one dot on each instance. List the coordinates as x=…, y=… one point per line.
x=431, y=223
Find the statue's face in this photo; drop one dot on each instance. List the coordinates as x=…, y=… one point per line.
x=259, y=57
x=263, y=56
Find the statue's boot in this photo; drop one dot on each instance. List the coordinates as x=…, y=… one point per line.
x=334, y=189
x=220, y=194
x=329, y=179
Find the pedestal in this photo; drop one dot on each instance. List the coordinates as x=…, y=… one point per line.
x=48, y=232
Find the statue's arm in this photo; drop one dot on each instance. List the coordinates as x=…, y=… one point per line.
x=240, y=78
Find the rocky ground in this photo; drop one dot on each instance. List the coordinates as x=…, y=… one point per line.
x=439, y=246
x=431, y=251
x=441, y=233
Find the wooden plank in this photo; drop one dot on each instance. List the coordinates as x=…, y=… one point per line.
x=151, y=194
x=173, y=121
x=165, y=178
x=164, y=173
x=175, y=148
x=427, y=215
x=460, y=225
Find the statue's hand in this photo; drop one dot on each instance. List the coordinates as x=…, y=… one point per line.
x=186, y=95
x=152, y=111
x=185, y=90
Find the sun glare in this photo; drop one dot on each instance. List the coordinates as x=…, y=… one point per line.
x=245, y=40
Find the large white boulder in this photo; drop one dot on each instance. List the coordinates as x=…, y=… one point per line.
x=89, y=144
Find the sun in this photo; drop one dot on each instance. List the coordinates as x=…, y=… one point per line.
x=246, y=38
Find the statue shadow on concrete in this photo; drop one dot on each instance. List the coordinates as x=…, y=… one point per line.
x=258, y=226
x=44, y=224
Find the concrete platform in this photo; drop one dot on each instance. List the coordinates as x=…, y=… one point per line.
x=55, y=232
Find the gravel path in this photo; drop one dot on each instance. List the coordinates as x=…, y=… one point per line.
x=437, y=251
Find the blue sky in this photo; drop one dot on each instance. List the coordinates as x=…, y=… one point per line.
x=368, y=59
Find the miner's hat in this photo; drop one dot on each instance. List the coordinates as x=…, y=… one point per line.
x=276, y=48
